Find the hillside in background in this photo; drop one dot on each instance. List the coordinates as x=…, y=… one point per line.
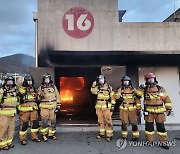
x=18, y=63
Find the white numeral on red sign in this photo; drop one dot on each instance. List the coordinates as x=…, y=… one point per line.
x=82, y=19
x=70, y=19
x=82, y=23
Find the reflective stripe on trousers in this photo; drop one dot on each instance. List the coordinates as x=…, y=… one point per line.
x=34, y=130
x=7, y=112
x=162, y=133
x=47, y=106
x=124, y=133
x=43, y=130
x=23, y=132
x=149, y=133
x=52, y=131
x=130, y=108
x=156, y=110
x=103, y=106
x=135, y=134
x=5, y=142
x=25, y=109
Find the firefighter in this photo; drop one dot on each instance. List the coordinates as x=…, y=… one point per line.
x=1, y=82
x=28, y=110
x=129, y=108
x=104, y=107
x=156, y=104
x=8, y=104
x=49, y=103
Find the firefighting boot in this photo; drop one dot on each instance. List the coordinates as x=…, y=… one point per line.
x=135, y=139
x=36, y=140
x=11, y=145
x=100, y=136
x=44, y=138
x=5, y=148
x=53, y=137
x=165, y=147
x=124, y=138
x=108, y=139
x=23, y=142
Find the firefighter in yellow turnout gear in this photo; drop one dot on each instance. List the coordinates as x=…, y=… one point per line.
x=8, y=104
x=130, y=107
x=156, y=103
x=104, y=107
x=50, y=101
x=28, y=110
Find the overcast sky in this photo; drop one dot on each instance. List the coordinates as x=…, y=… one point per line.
x=17, y=29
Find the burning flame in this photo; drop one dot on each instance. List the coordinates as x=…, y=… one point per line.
x=66, y=95
x=68, y=86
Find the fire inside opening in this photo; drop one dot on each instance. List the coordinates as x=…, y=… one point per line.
x=68, y=88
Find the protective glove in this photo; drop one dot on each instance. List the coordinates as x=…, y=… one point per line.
x=112, y=109
x=168, y=112
x=142, y=86
x=94, y=84
x=58, y=107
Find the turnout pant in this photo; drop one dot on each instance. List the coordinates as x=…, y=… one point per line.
x=159, y=118
x=48, y=117
x=105, y=122
x=125, y=116
x=25, y=118
x=7, y=124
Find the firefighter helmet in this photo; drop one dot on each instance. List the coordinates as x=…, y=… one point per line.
x=28, y=81
x=150, y=75
x=150, y=79
x=101, y=79
x=126, y=80
x=47, y=79
x=10, y=81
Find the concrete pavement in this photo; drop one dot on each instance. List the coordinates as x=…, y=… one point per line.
x=85, y=142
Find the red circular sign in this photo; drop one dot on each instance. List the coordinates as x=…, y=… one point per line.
x=78, y=22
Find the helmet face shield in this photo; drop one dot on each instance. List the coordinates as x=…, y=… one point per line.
x=10, y=82
x=29, y=83
x=47, y=80
x=101, y=81
x=151, y=81
x=126, y=83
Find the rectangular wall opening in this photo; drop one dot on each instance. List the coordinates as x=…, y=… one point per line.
x=77, y=102
x=72, y=95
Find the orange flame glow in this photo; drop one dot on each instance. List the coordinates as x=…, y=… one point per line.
x=66, y=95
x=73, y=83
x=68, y=87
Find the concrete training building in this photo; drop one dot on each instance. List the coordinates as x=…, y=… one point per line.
x=78, y=40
